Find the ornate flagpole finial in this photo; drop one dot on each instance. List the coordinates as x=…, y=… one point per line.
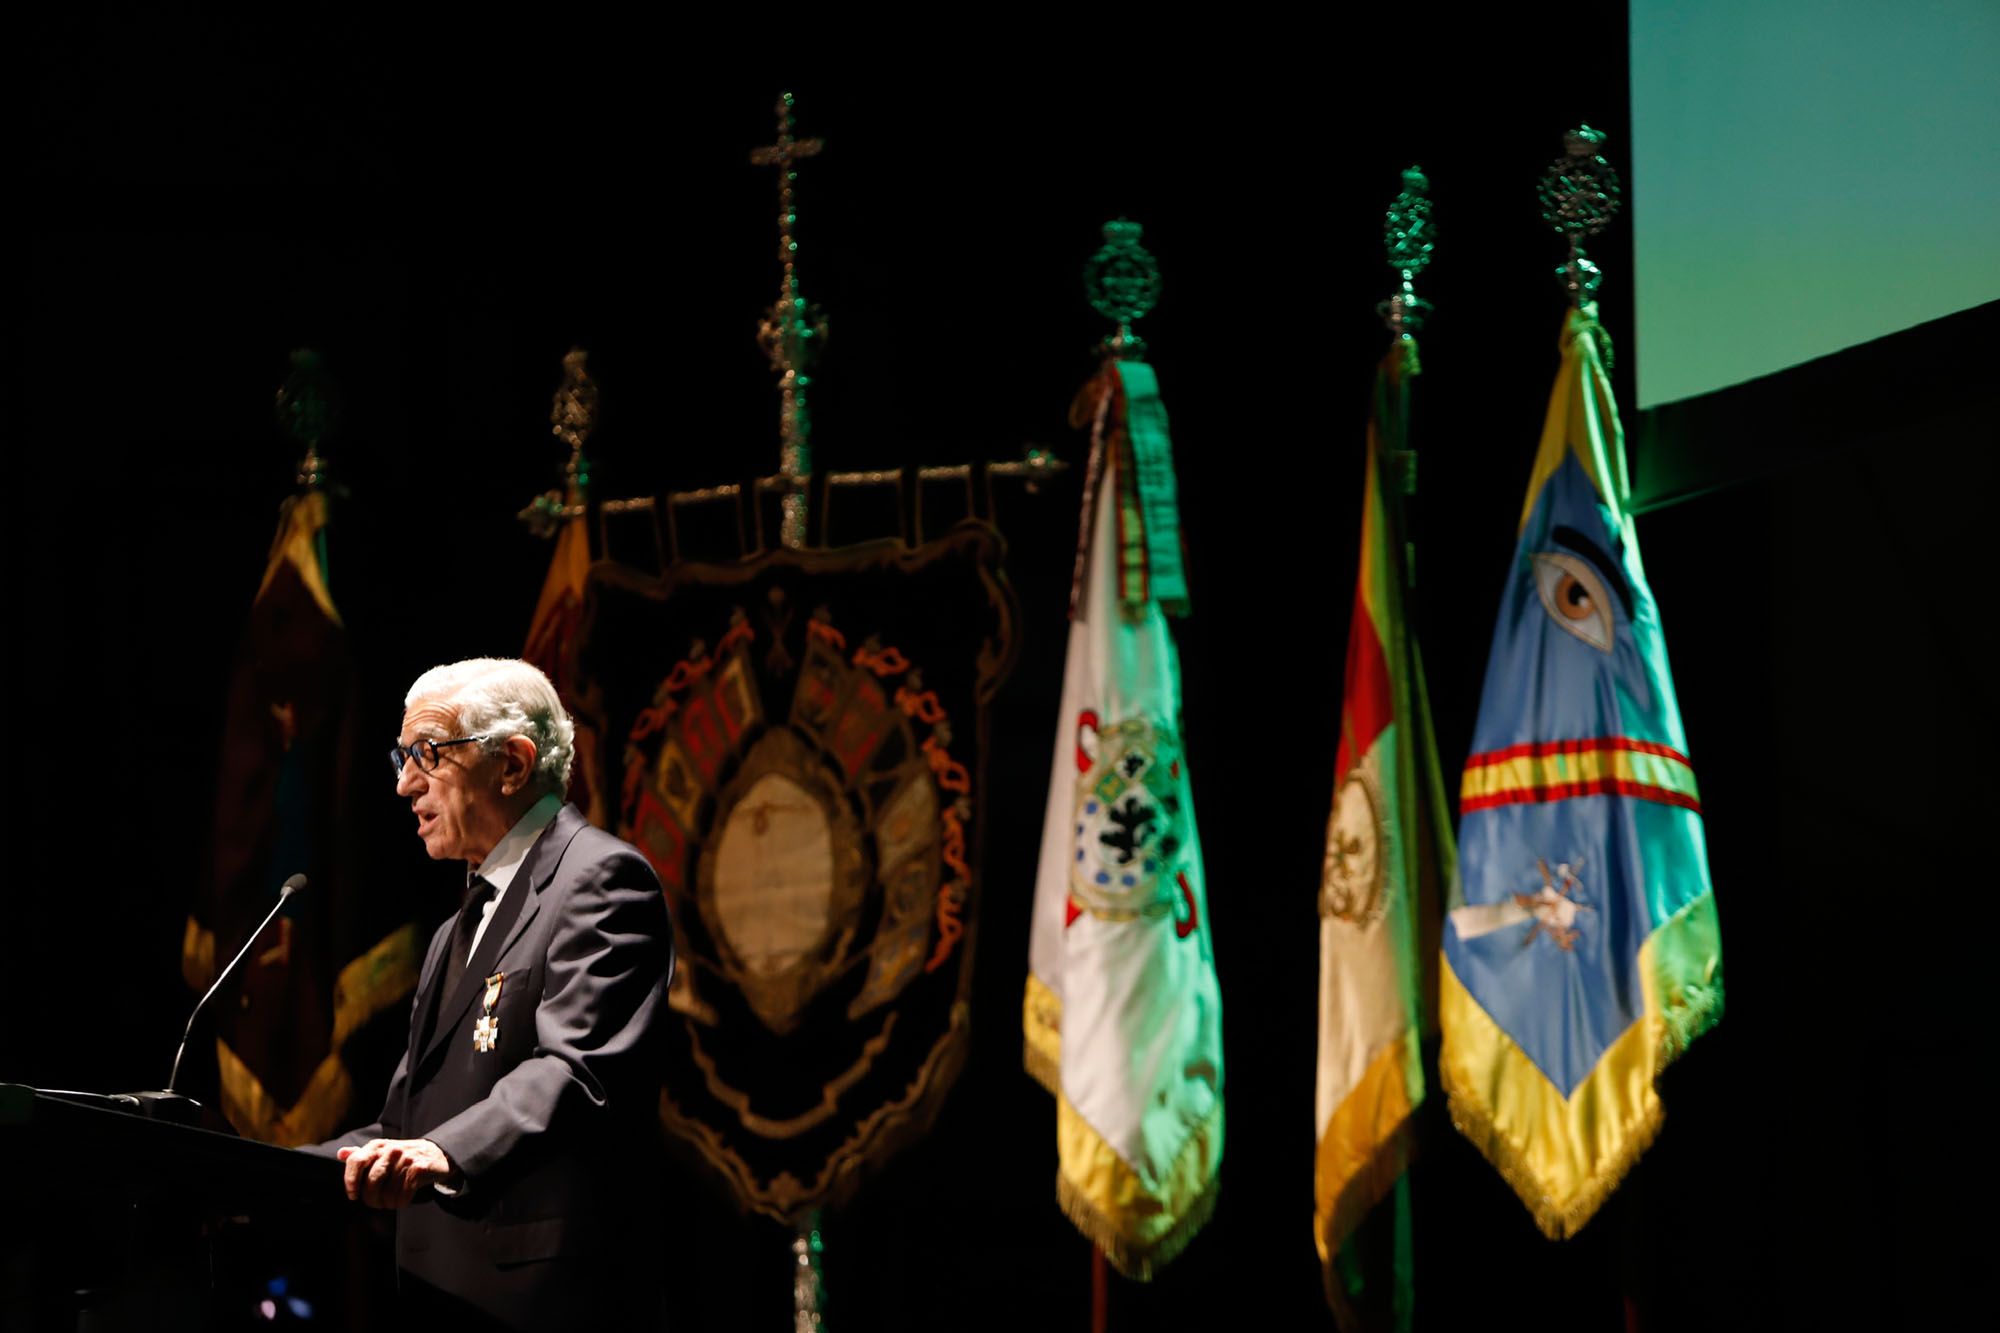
x=308, y=410
x=572, y=417
x=1123, y=283
x=1409, y=236
x=1579, y=194
x=789, y=326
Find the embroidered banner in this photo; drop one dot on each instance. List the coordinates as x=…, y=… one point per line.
x=797, y=742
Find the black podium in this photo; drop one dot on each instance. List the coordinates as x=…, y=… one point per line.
x=110, y=1219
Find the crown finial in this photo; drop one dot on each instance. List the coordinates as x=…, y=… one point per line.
x=1123, y=284
x=1408, y=237
x=308, y=409
x=1580, y=194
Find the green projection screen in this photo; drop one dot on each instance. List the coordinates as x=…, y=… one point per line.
x=1806, y=175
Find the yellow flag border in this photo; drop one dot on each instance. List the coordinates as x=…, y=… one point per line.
x=1377, y=1112
x=377, y=979
x=1100, y=1205
x=1041, y=1035
x=1567, y=1188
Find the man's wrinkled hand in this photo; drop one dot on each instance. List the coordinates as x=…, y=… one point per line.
x=387, y=1173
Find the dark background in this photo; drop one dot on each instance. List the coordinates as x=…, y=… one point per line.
x=203, y=198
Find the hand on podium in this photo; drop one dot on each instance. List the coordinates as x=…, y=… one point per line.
x=387, y=1173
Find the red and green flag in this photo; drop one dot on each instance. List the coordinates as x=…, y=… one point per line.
x=1388, y=852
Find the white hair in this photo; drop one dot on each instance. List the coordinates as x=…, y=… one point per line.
x=499, y=697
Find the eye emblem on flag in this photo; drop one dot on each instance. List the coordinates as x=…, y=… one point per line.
x=1352, y=883
x=1128, y=824
x=1575, y=598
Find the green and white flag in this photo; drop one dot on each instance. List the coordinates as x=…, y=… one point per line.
x=1123, y=1013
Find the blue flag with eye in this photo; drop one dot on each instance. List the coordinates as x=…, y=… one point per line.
x=1581, y=954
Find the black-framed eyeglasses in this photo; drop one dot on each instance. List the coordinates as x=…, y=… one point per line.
x=425, y=752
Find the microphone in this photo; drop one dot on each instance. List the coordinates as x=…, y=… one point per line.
x=169, y=1104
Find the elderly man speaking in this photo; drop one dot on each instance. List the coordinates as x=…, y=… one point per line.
x=520, y=1126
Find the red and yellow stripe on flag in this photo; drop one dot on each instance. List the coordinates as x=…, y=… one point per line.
x=1387, y=847
x=1558, y=770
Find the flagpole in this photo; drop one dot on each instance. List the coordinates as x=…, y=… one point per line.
x=1122, y=283
x=1409, y=236
x=788, y=328
x=572, y=418
x=306, y=410
x=786, y=334
x=1580, y=193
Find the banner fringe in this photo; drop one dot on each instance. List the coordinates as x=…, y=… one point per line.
x=1041, y=1068
x=1133, y=1260
x=1558, y=1219
x=1041, y=1035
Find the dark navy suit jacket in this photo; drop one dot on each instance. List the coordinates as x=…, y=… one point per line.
x=556, y=1129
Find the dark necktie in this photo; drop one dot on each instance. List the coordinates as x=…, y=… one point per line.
x=478, y=892
x=451, y=969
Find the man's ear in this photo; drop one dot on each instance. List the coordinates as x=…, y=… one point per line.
x=517, y=764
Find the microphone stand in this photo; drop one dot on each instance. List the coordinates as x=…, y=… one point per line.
x=178, y=1107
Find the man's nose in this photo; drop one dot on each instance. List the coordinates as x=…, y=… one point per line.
x=410, y=778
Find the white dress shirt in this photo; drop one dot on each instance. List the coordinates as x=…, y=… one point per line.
x=504, y=861
x=498, y=869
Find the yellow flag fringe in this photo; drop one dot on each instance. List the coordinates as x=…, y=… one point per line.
x=379, y=978
x=1131, y=1259
x=1557, y=1220
x=1041, y=1035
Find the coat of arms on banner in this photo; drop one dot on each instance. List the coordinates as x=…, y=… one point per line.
x=797, y=744
x=1131, y=834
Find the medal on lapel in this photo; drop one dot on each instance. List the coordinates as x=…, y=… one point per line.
x=486, y=1032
